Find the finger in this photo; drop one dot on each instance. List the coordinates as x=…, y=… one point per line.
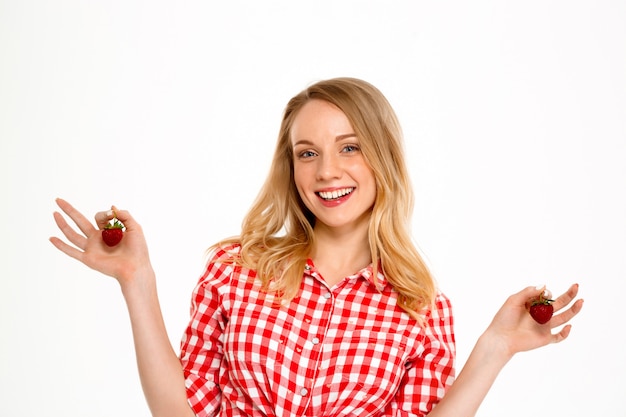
x=125, y=217
x=524, y=296
x=81, y=221
x=567, y=315
x=565, y=298
x=562, y=335
x=542, y=291
x=67, y=249
x=71, y=235
x=103, y=217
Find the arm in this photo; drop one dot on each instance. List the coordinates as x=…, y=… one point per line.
x=511, y=331
x=160, y=369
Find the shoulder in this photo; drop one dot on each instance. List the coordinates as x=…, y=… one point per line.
x=223, y=252
x=224, y=267
x=221, y=260
x=440, y=318
x=442, y=305
x=220, y=271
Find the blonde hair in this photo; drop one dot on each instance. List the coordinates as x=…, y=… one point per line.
x=277, y=233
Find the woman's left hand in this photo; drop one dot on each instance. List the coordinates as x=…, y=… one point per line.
x=518, y=331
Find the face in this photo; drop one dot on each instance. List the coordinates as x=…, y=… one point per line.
x=331, y=175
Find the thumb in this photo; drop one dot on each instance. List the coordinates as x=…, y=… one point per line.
x=125, y=217
x=103, y=217
x=528, y=293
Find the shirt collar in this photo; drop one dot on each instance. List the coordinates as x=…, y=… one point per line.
x=367, y=273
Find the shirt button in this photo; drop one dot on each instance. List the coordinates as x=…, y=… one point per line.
x=304, y=391
x=327, y=295
x=315, y=340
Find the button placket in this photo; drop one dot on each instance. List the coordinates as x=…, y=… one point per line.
x=313, y=327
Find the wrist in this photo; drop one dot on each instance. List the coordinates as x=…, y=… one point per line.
x=494, y=347
x=140, y=282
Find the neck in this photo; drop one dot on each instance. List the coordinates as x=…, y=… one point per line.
x=337, y=255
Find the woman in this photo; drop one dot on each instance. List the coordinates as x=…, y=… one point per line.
x=322, y=305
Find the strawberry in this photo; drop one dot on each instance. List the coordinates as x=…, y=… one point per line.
x=113, y=233
x=541, y=309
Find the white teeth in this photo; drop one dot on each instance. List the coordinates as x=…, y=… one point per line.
x=330, y=195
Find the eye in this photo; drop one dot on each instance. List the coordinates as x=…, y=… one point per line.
x=350, y=148
x=306, y=154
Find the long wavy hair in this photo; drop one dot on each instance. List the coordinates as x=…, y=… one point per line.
x=277, y=233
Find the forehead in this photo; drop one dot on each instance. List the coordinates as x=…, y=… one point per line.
x=318, y=119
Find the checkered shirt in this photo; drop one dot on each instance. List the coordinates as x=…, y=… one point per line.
x=342, y=351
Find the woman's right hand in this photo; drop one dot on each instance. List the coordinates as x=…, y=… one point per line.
x=160, y=369
x=124, y=262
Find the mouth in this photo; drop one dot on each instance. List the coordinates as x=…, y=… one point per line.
x=335, y=194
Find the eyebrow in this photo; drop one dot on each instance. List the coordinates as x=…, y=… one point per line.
x=337, y=139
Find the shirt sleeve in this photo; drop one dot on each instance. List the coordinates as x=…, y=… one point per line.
x=431, y=373
x=202, y=343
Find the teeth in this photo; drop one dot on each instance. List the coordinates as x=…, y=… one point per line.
x=330, y=195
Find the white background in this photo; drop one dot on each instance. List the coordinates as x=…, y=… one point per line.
x=514, y=114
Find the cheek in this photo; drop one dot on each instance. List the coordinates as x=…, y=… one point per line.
x=300, y=179
x=370, y=183
x=303, y=174
x=297, y=177
x=365, y=175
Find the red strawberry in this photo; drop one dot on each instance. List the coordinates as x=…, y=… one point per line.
x=541, y=309
x=113, y=233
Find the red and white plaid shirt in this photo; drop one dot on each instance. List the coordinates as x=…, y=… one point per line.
x=342, y=351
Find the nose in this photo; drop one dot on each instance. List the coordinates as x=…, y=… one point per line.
x=329, y=167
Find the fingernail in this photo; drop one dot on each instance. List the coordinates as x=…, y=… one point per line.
x=110, y=213
x=540, y=287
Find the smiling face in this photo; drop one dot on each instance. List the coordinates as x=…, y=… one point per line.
x=332, y=177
